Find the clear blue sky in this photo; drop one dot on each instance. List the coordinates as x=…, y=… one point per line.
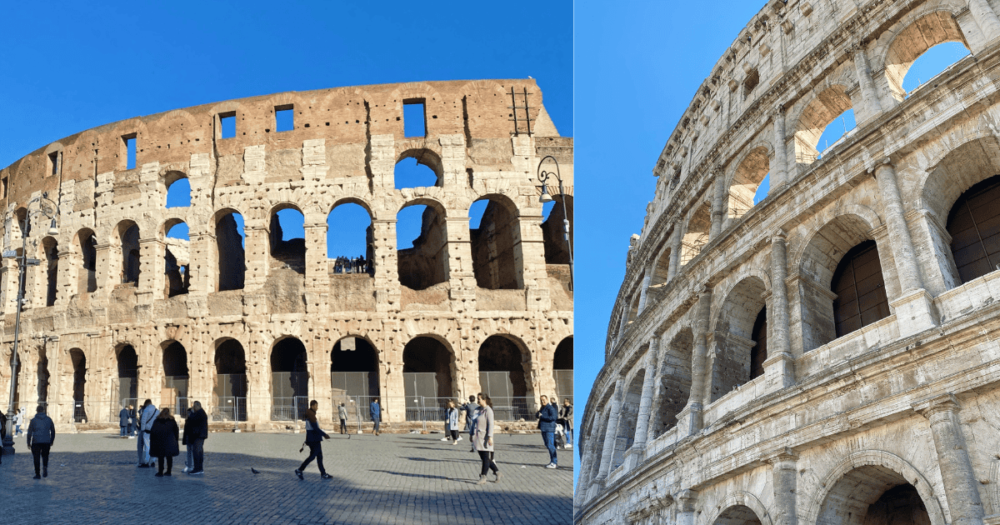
x=73, y=66
x=637, y=66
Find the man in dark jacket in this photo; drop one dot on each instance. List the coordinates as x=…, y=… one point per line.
x=470, y=418
x=41, y=436
x=547, y=417
x=122, y=421
x=195, y=434
x=566, y=420
x=314, y=439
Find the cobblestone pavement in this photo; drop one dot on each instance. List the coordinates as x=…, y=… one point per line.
x=405, y=478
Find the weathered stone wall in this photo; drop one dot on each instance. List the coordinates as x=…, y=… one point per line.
x=847, y=429
x=343, y=149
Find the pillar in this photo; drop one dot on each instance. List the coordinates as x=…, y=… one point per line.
x=779, y=172
x=957, y=475
x=718, y=201
x=258, y=253
x=644, y=287
x=689, y=419
x=461, y=276
x=638, y=451
x=871, y=101
x=152, y=267
x=685, y=509
x=610, y=433
x=985, y=18
x=675, y=250
x=387, y=291
x=779, y=367
x=784, y=475
x=317, y=268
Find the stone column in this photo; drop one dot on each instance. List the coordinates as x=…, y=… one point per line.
x=675, y=250
x=387, y=290
x=779, y=172
x=783, y=472
x=258, y=254
x=689, y=419
x=461, y=277
x=654, y=407
x=152, y=268
x=644, y=287
x=779, y=366
x=66, y=282
x=958, y=476
x=914, y=308
x=985, y=18
x=872, y=103
x=317, y=276
x=645, y=402
x=685, y=508
x=610, y=433
x=718, y=201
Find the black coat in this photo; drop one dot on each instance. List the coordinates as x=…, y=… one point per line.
x=163, y=438
x=195, y=426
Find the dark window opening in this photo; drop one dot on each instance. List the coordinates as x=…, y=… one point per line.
x=427, y=384
x=42, y=373
x=562, y=370
x=230, y=246
x=495, y=235
x=422, y=247
x=128, y=378
x=51, y=251
x=230, y=391
x=753, y=78
x=289, y=380
x=227, y=125
x=758, y=353
x=54, y=163
x=860, y=290
x=88, y=270
x=974, y=226
x=284, y=118
x=354, y=375
x=79, y=384
x=502, y=375
x=414, y=118
x=175, y=379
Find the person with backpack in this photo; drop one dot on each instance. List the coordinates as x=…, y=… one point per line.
x=41, y=436
x=314, y=440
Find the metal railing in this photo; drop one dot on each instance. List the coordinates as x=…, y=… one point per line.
x=289, y=408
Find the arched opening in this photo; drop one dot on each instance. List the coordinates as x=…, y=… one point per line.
x=417, y=169
x=734, y=355
x=860, y=288
x=562, y=370
x=177, y=259
x=288, y=239
x=79, y=361
x=128, y=236
x=87, y=244
x=696, y=236
x=746, y=179
x=627, y=419
x=354, y=375
x=738, y=515
x=50, y=251
x=495, y=235
x=230, y=241
x=932, y=63
x=916, y=39
x=554, y=229
x=178, y=190
x=42, y=373
x=974, y=226
x=128, y=379
x=838, y=130
x=289, y=380
x=675, y=382
x=21, y=214
x=873, y=494
x=504, y=372
x=422, y=246
x=350, y=239
x=175, y=378
x=758, y=353
x=660, y=275
x=822, y=123
x=428, y=368
x=230, y=391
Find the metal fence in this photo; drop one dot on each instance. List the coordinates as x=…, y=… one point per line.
x=564, y=385
x=289, y=408
x=230, y=409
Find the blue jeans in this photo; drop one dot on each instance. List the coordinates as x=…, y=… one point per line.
x=569, y=436
x=121, y=432
x=195, y=455
x=550, y=443
x=376, y=421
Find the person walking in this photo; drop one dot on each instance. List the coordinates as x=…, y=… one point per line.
x=314, y=440
x=566, y=420
x=482, y=440
x=547, y=417
x=122, y=421
x=451, y=423
x=163, y=437
x=195, y=434
x=18, y=418
x=41, y=436
x=24, y=419
x=375, y=411
x=342, y=414
x=470, y=408
x=147, y=416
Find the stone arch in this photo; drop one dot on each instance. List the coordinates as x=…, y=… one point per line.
x=78, y=363
x=562, y=369
x=86, y=241
x=426, y=263
x=746, y=175
x=825, y=106
x=176, y=253
x=127, y=384
x=660, y=269
x=289, y=378
x=354, y=369
x=125, y=237
x=741, y=508
x=49, y=249
x=429, y=374
x=557, y=251
x=423, y=157
x=505, y=373
x=870, y=463
x=699, y=225
x=229, y=252
x=628, y=417
x=230, y=387
x=286, y=253
x=176, y=373
x=176, y=190
x=497, y=257
x=733, y=335
x=346, y=261
x=675, y=376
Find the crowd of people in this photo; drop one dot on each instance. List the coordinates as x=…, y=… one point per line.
x=352, y=265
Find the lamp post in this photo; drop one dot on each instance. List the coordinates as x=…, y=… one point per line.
x=543, y=177
x=23, y=262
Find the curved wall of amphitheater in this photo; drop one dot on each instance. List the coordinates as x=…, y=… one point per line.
x=112, y=313
x=737, y=389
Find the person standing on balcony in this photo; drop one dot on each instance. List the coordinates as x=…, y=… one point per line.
x=375, y=411
x=342, y=413
x=41, y=436
x=314, y=440
x=482, y=440
x=547, y=417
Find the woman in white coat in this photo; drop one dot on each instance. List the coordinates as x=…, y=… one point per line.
x=483, y=438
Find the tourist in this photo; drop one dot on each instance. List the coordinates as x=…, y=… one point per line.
x=195, y=434
x=314, y=440
x=482, y=439
x=41, y=436
x=566, y=420
x=147, y=416
x=18, y=419
x=122, y=421
x=24, y=419
x=375, y=411
x=163, y=436
x=451, y=423
x=342, y=413
x=470, y=409
x=131, y=422
x=547, y=417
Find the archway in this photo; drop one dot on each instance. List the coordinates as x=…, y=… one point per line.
x=931, y=63
x=128, y=379
x=50, y=251
x=175, y=378
x=79, y=361
x=747, y=177
x=287, y=239
x=916, y=39
x=974, y=226
x=230, y=391
x=354, y=375
x=675, y=382
x=428, y=368
x=128, y=237
x=230, y=240
x=819, y=125
x=873, y=494
x=562, y=370
x=734, y=357
x=177, y=259
x=698, y=229
x=178, y=190
x=416, y=169
x=860, y=288
x=554, y=229
x=422, y=245
x=87, y=244
x=504, y=374
x=42, y=374
x=495, y=237
x=627, y=419
x=350, y=239
x=738, y=515
x=289, y=380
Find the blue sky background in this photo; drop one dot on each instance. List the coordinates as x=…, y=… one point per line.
x=636, y=68
x=73, y=66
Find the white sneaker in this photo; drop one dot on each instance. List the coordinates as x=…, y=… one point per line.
x=551, y=465
x=185, y=471
x=444, y=439
x=459, y=439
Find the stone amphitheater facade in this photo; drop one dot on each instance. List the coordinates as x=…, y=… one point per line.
x=111, y=282
x=743, y=383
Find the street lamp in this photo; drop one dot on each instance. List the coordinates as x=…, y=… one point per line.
x=49, y=209
x=543, y=177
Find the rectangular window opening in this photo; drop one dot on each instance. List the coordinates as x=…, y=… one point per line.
x=129, y=151
x=54, y=163
x=284, y=117
x=227, y=125
x=3, y=188
x=414, y=118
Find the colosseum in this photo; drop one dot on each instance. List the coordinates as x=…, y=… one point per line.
x=830, y=354
x=251, y=321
